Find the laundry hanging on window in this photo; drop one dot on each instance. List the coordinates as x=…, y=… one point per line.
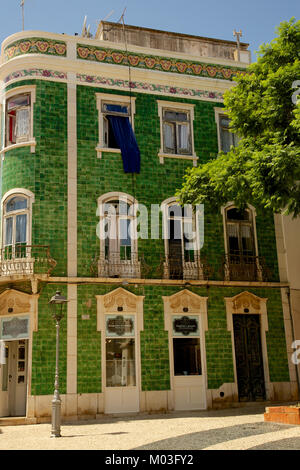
x=125, y=139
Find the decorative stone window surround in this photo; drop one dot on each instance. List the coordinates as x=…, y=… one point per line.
x=250, y=208
x=128, y=268
x=30, y=199
x=218, y=113
x=178, y=304
x=248, y=303
x=27, y=305
x=31, y=142
x=111, y=99
x=17, y=265
x=191, y=269
x=130, y=304
x=181, y=107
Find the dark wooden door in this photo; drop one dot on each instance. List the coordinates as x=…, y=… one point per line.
x=249, y=362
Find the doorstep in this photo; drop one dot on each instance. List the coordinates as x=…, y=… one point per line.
x=16, y=421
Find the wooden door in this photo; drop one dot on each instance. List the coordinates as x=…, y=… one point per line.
x=249, y=361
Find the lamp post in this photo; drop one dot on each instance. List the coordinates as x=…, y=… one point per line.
x=57, y=303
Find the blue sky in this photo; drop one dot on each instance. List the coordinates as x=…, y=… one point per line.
x=213, y=18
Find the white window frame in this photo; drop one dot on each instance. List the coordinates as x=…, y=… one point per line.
x=21, y=192
x=191, y=269
x=218, y=113
x=121, y=100
x=179, y=107
x=128, y=268
x=30, y=142
x=252, y=211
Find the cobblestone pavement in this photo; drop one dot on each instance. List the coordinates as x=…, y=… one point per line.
x=232, y=429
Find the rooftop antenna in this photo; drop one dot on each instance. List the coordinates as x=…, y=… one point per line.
x=85, y=30
x=238, y=34
x=22, y=6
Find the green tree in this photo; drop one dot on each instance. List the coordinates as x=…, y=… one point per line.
x=264, y=168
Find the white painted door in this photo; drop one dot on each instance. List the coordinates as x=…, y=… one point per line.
x=14, y=379
x=4, y=407
x=189, y=378
x=121, y=391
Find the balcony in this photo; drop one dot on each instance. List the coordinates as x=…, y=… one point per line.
x=16, y=260
x=116, y=265
x=241, y=267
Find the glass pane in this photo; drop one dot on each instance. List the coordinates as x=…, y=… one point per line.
x=8, y=230
x=183, y=137
x=21, y=224
x=17, y=101
x=226, y=140
x=16, y=203
x=22, y=123
x=235, y=214
x=125, y=239
x=175, y=116
x=187, y=359
x=120, y=363
x=169, y=137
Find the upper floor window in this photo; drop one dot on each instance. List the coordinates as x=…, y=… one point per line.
x=176, y=131
x=118, y=236
x=18, y=119
x=240, y=236
x=182, y=243
x=19, y=116
x=16, y=224
x=226, y=138
x=241, y=248
x=109, y=106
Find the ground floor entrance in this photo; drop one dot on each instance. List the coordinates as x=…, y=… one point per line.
x=249, y=358
x=13, y=377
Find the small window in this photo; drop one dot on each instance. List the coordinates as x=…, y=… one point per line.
x=176, y=132
x=227, y=138
x=18, y=126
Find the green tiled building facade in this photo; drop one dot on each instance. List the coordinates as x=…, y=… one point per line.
x=144, y=329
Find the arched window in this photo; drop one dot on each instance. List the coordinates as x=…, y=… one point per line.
x=16, y=223
x=181, y=235
x=118, y=236
x=241, y=244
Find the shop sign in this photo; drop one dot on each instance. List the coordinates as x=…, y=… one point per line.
x=185, y=326
x=119, y=325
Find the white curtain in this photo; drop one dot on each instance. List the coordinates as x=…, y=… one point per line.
x=22, y=123
x=232, y=230
x=183, y=136
x=169, y=136
x=21, y=223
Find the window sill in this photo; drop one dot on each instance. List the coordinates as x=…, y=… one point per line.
x=100, y=150
x=162, y=156
x=28, y=143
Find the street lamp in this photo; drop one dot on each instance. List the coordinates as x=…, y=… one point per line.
x=57, y=303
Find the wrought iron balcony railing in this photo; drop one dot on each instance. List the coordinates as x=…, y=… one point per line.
x=25, y=259
x=243, y=267
x=234, y=267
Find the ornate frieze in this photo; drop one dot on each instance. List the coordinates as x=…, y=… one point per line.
x=161, y=64
x=35, y=46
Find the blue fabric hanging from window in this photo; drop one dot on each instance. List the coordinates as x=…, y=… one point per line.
x=125, y=139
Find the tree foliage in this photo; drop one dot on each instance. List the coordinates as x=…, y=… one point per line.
x=264, y=168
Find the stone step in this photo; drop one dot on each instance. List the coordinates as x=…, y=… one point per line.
x=16, y=421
